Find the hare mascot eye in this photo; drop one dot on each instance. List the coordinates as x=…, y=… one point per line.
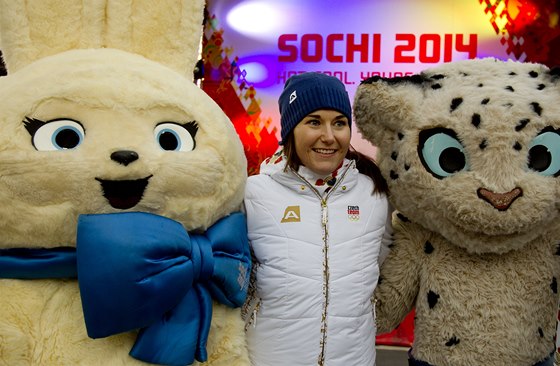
x=60, y=134
x=173, y=136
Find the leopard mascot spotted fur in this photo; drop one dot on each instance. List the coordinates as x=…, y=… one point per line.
x=471, y=153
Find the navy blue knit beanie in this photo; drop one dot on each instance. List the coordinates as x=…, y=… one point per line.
x=308, y=92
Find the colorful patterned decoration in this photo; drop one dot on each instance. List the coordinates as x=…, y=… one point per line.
x=226, y=84
x=529, y=28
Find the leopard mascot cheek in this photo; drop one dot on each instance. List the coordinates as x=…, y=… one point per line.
x=471, y=154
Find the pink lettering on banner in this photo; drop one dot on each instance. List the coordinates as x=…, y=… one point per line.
x=314, y=47
x=429, y=48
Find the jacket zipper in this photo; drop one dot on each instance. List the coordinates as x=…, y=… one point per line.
x=326, y=272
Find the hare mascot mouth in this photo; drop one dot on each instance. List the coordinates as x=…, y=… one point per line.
x=123, y=194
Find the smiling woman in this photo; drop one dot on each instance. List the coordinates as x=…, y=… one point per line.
x=309, y=213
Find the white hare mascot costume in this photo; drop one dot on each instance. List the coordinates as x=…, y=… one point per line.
x=120, y=179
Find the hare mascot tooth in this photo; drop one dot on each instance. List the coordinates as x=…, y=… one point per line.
x=120, y=185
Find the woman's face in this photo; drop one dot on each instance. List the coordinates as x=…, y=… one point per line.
x=322, y=139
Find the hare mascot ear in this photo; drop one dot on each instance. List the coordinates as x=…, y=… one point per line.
x=120, y=179
x=166, y=31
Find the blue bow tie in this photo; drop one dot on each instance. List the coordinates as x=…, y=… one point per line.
x=142, y=271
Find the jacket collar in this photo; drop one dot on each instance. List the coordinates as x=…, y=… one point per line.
x=275, y=167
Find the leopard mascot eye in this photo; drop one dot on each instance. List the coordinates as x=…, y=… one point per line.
x=544, y=153
x=441, y=152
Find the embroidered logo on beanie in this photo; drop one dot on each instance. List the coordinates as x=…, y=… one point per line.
x=293, y=97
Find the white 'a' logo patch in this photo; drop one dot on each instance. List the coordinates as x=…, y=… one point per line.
x=291, y=214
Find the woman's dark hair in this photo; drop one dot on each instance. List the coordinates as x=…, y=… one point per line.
x=365, y=164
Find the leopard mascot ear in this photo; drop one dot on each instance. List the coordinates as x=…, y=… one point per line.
x=382, y=107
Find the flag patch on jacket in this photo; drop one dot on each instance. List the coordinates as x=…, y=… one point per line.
x=353, y=213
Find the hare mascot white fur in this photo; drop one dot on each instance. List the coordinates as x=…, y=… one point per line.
x=119, y=182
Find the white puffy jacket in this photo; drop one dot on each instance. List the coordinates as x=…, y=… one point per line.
x=317, y=265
